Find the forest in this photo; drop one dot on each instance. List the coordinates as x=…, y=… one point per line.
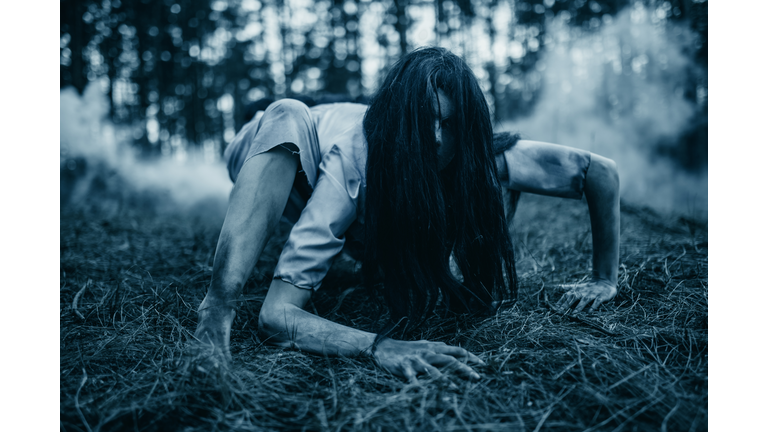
x=152, y=91
x=184, y=75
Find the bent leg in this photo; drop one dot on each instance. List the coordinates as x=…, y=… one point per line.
x=256, y=204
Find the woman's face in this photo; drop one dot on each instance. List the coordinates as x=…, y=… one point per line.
x=444, y=129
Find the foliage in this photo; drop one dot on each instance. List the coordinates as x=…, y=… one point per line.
x=181, y=73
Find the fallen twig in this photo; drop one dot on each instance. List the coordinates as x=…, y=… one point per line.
x=77, y=297
x=584, y=321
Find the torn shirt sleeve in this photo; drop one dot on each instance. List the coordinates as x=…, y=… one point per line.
x=318, y=235
x=545, y=169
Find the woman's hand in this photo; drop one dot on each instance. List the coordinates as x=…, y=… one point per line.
x=408, y=359
x=579, y=296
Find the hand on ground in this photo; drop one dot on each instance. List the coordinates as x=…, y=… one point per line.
x=210, y=346
x=579, y=296
x=408, y=359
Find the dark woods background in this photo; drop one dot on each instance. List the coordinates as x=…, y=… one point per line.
x=179, y=75
x=152, y=91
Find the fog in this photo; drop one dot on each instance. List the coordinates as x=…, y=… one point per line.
x=618, y=92
x=98, y=163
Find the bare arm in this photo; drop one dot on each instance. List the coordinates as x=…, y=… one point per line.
x=602, y=193
x=550, y=169
x=255, y=205
x=601, y=190
x=285, y=323
x=257, y=201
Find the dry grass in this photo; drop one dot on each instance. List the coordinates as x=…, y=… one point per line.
x=131, y=281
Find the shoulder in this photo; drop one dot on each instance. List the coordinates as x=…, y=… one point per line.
x=332, y=119
x=338, y=110
x=341, y=125
x=503, y=141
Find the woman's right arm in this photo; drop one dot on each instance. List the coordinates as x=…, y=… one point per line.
x=284, y=322
x=314, y=240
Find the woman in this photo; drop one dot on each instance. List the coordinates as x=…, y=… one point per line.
x=406, y=183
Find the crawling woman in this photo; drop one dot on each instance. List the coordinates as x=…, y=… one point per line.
x=402, y=184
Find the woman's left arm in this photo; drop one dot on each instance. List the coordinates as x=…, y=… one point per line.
x=555, y=170
x=601, y=189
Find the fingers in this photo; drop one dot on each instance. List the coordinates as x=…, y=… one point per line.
x=459, y=353
x=412, y=359
x=409, y=373
x=448, y=362
x=411, y=369
x=582, y=304
x=567, y=301
x=577, y=300
x=429, y=369
x=596, y=304
x=580, y=296
x=475, y=359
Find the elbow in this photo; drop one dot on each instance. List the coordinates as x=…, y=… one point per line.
x=266, y=328
x=612, y=172
x=273, y=325
x=604, y=172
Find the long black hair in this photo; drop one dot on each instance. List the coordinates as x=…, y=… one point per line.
x=416, y=215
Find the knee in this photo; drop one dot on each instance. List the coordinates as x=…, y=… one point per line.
x=288, y=107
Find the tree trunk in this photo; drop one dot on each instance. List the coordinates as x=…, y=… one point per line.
x=77, y=44
x=402, y=24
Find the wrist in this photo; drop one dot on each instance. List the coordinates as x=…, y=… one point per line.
x=370, y=351
x=604, y=279
x=211, y=302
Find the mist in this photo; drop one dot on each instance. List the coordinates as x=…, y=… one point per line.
x=100, y=167
x=618, y=92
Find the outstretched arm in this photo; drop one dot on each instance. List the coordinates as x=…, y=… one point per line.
x=555, y=170
x=284, y=322
x=314, y=240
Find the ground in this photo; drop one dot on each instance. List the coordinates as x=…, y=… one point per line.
x=133, y=274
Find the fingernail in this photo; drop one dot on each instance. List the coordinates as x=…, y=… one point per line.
x=475, y=375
